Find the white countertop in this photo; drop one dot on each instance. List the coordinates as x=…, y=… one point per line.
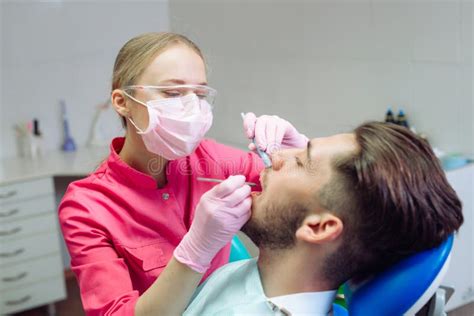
x=53, y=163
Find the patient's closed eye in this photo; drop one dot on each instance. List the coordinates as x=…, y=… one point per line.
x=298, y=162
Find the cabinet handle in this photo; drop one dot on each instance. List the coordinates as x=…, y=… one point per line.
x=19, y=301
x=12, y=254
x=10, y=232
x=15, y=278
x=9, y=213
x=8, y=194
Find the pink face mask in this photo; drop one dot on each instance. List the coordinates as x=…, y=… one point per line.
x=176, y=125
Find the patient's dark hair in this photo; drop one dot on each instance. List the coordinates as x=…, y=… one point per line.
x=393, y=198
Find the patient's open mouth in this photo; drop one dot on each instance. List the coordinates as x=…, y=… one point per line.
x=262, y=185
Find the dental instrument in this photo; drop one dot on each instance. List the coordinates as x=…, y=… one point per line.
x=266, y=159
x=220, y=180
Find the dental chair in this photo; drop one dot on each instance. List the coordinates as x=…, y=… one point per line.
x=238, y=250
x=410, y=287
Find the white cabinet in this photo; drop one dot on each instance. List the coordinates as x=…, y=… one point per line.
x=31, y=295
x=31, y=269
x=31, y=272
x=461, y=270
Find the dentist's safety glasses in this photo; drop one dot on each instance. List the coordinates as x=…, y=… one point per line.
x=175, y=91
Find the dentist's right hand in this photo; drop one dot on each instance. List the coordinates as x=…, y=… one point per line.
x=219, y=215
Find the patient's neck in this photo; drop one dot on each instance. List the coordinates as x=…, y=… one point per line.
x=285, y=272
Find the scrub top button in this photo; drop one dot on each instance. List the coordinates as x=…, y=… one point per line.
x=165, y=196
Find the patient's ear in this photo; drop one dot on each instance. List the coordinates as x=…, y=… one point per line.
x=319, y=228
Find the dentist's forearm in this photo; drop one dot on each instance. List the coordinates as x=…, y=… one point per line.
x=222, y=210
x=171, y=292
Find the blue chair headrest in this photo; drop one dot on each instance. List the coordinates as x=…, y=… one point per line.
x=238, y=250
x=395, y=290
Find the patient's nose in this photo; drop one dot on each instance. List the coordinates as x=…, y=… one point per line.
x=277, y=161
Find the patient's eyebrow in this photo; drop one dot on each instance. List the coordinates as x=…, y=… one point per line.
x=308, y=151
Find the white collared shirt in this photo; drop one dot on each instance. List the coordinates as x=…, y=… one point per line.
x=236, y=289
x=308, y=303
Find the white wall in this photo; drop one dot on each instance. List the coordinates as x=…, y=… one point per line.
x=460, y=274
x=65, y=49
x=324, y=65
x=329, y=65
x=1, y=76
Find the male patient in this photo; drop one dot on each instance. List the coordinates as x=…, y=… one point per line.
x=343, y=208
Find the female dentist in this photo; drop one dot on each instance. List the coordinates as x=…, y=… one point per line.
x=141, y=230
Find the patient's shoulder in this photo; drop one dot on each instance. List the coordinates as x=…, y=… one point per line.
x=235, y=268
x=220, y=289
x=227, y=276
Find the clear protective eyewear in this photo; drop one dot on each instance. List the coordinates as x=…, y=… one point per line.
x=176, y=91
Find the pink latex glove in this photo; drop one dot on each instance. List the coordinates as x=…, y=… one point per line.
x=219, y=215
x=272, y=133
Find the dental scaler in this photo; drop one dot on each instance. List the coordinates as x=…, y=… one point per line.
x=220, y=180
x=266, y=159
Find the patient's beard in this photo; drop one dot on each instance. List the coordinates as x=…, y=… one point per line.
x=277, y=227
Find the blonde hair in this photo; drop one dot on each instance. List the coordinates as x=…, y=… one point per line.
x=135, y=56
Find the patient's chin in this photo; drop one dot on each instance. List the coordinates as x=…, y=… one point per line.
x=253, y=231
x=272, y=227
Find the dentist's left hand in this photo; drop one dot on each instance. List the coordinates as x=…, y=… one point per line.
x=272, y=133
x=219, y=215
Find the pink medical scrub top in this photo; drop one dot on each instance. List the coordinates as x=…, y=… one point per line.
x=121, y=229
